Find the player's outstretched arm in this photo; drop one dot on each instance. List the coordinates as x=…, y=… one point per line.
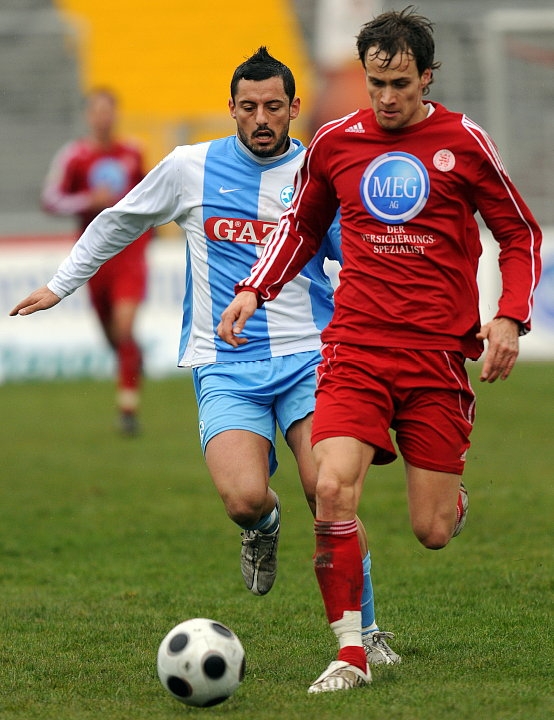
x=40, y=299
x=502, y=335
x=234, y=317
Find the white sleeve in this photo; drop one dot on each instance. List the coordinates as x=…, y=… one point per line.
x=156, y=200
x=53, y=198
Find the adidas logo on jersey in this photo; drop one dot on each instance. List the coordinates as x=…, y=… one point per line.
x=357, y=128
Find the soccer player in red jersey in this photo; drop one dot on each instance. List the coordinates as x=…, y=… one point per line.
x=409, y=177
x=86, y=176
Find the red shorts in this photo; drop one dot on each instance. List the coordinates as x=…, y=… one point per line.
x=123, y=277
x=424, y=395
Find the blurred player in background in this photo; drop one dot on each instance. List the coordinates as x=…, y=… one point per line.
x=339, y=77
x=409, y=177
x=227, y=195
x=87, y=176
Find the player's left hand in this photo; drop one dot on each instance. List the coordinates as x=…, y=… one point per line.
x=40, y=299
x=502, y=335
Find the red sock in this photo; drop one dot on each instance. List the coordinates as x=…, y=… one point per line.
x=338, y=567
x=129, y=358
x=339, y=572
x=353, y=655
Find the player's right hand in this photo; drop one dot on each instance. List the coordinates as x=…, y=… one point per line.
x=40, y=299
x=234, y=317
x=101, y=197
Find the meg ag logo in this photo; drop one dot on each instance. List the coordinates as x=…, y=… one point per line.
x=395, y=187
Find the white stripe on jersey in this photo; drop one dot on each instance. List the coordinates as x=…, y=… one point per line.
x=489, y=148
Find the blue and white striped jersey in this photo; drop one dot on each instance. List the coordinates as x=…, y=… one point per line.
x=228, y=202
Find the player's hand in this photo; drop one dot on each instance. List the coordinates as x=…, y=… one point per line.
x=41, y=299
x=101, y=197
x=234, y=317
x=502, y=335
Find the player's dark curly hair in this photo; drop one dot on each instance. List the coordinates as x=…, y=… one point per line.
x=400, y=32
x=262, y=66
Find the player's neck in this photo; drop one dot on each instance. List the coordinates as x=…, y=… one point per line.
x=102, y=142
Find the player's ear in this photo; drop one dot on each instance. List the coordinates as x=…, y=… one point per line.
x=294, y=108
x=426, y=77
x=232, y=109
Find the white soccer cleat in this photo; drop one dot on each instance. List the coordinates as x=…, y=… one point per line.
x=340, y=675
x=377, y=650
x=461, y=510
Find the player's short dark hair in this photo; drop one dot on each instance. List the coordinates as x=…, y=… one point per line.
x=396, y=32
x=262, y=66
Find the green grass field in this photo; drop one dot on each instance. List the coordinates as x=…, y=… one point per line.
x=106, y=543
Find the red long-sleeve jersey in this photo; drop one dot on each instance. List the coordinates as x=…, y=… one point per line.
x=80, y=167
x=410, y=239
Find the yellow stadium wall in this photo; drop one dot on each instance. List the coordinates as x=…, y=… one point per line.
x=170, y=62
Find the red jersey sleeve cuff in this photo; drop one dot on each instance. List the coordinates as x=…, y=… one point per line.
x=242, y=288
x=523, y=328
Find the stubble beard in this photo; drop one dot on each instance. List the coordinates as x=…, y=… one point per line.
x=277, y=148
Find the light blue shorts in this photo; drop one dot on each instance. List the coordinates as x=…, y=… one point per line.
x=255, y=395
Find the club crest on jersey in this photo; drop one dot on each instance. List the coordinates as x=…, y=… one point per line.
x=286, y=195
x=394, y=187
x=108, y=172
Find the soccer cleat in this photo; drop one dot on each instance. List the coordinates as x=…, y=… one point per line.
x=461, y=510
x=377, y=650
x=128, y=424
x=340, y=676
x=258, y=559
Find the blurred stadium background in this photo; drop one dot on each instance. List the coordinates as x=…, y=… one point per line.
x=170, y=63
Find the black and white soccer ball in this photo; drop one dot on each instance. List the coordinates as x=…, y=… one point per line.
x=201, y=662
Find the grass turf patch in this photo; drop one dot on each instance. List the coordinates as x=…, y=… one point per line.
x=108, y=542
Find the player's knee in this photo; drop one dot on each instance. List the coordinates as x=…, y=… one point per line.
x=330, y=492
x=244, y=511
x=124, y=339
x=432, y=536
x=335, y=497
x=434, y=540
